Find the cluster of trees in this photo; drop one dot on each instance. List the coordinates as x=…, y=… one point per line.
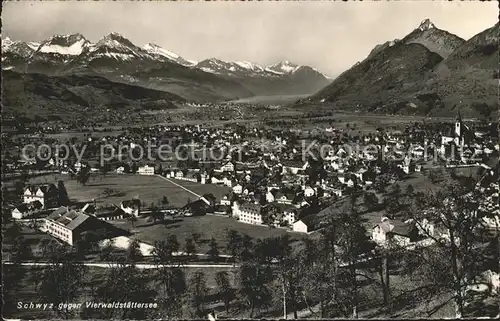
x=20, y=247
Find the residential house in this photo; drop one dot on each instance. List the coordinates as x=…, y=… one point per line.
x=204, y=178
x=26, y=210
x=269, y=196
x=309, y=191
x=190, y=176
x=46, y=194
x=426, y=228
x=492, y=221
x=396, y=232
x=307, y=224
x=237, y=189
x=288, y=213
x=131, y=207
x=89, y=208
x=225, y=200
x=284, y=198
x=493, y=279
x=293, y=166
x=289, y=216
x=77, y=166
x=228, y=181
x=146, y=170
x=110, y=214
x=199, y=207
x=217, y=179
x=210, y=198
x=227, y=166
x=179, y=174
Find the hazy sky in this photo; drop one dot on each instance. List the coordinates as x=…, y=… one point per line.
x=330, y=36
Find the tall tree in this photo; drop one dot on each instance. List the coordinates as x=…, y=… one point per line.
x=124, y=283
x=62, y=282
x=454, y=209
x=161, y=253
x=234, y=244
x=323, y=258
x=214, y=250
x=255, y=287
x=13, y=275
x=13, y=231
x=196, y=237
x=198, y=289
x=132, y=219
x=190, y=247
x=89, y=242
x=156, y=214
x=171, y=278
x=246, y=253
x=83, y=175
x=291, y=273
x=226, y=292
x=134, y=252
x=21, y=250
x=173, y=244
x=63, y=197
x=353, y=244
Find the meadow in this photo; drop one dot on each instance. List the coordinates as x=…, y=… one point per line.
x=114, y=188
x=207, y=227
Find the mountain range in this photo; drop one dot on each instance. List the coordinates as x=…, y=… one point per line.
x=118, y=59
x=429, y=71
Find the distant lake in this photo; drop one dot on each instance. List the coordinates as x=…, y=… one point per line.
x=275, y=99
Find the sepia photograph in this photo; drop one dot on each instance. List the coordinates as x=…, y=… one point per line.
x=206, y=160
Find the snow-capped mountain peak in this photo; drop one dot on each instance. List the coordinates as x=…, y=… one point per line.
x=115, y=40
x=283, y=67
x=155, y=49
x=158, y=51
x=426, y=25
x=215, y=61
x=250, y=66
x=33, y=45
x=19, y=48
x=319, y=72
x=72, y=45
x=6, y=43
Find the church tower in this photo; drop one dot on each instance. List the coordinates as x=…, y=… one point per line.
x=458, y=125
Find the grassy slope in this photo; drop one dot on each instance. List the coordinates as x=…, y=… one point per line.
x=45, y=95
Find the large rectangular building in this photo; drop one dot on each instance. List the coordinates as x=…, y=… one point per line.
x=248, y=213
x=68, y=225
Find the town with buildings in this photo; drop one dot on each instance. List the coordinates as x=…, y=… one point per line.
x=241, y=176
x=138, y=184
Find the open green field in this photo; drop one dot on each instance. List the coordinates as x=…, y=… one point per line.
x=149, y=189
x=208, y=226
